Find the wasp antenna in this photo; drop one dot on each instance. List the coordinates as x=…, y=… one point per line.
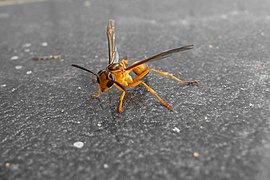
x=80, y=67
x=187, y=47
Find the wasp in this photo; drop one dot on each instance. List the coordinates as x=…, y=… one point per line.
x=117, y=73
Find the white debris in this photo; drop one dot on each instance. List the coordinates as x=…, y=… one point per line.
x=99, y=124
x=224, y=16
x=176, y=129
x=29, y=72
x=44, y=44
x=105, y=166
x=210, y=46
x=87, y=3
x=18, y=67
x=26, y=45
x=196, y=154
x=3, y=85
x=14, y=58
x=78, y=144
x=27, y=50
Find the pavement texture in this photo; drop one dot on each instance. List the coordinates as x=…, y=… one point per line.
x=51, y=129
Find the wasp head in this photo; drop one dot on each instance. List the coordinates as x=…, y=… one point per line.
x=105, y=80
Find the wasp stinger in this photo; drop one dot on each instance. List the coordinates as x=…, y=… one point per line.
x=117, y=73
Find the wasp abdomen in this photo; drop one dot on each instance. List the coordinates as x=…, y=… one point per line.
x=140, y=69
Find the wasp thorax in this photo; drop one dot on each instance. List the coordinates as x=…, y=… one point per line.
x=105, y=79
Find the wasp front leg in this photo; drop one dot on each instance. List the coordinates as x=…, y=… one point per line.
x=93, y=96
x=121, y=97
x=121, y=102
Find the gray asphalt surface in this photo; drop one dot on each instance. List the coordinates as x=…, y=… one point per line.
x=218, y=130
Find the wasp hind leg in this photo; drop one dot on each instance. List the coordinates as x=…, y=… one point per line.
x=183, y=82
x=152, y=91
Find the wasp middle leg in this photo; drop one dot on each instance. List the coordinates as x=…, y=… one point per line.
x=152, y=91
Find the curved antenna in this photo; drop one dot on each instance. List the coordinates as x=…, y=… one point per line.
x=80, y=67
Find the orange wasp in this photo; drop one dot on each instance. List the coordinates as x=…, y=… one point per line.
x=117, y=73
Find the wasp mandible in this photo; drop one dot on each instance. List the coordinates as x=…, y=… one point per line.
x=117, y=73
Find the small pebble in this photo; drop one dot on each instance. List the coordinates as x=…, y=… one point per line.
x=3, y=85
x=210, y=46
x=14, y=58
x=87, y=3
x=26, y=45
x=176, y=129
x=78, y=144
x=44, y=44
x=196, y=154
x=105, y=166
x=29, y=72
x=7, y=164
x=224, y=16
x=99, y=124
x=18, y=67
x=27, y=50
x=79, y=88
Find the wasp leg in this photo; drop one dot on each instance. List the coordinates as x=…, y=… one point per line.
x=121, y=97
x=175, y=78
x=152, y=91
x=121, y=102
x=93, y=96
x=142, y=75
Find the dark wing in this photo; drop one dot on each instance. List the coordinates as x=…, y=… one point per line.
x=113, y=54
x=160, y=56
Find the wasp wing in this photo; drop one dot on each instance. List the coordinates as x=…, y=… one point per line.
x=113, y=54
x=160, y=56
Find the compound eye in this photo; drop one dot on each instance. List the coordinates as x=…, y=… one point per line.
x=98, y=80
x=109, y=84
